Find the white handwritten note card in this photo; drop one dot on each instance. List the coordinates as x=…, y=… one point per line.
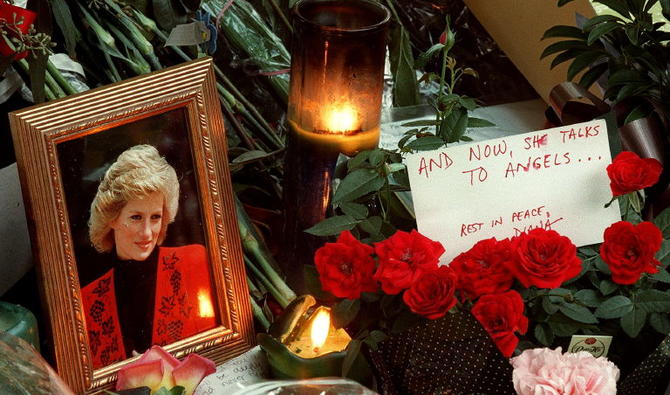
x=552, y=179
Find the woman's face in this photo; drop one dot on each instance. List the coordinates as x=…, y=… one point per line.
x=137, y=227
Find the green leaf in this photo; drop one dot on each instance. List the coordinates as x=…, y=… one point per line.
x=563, y=31
x=614, y=307
x=63, y=17
x=662, y=276
x=425, y=143
x=353, y=349
x=333, y=225
x=624, y=77
x=421, y=61
x=405, y=87
x=548, y=306
x=633, y=322
x=600, y=31
x=602, y=266
x=562, y=46
x=356, y=184
x=653, y=301
x=356, y=210
x=663, y=221
x=607, y=287
x=177, y=390
x=376, y=157
x=421, y=122
x=394, y=167
x=250, y=156
x=592, y=75
x=665, y=8
x=663, y=253
x=616, y=5
x=660, y=322
x=588, y=297
x=165, y=15
x=345, y=311
x=578, y=313
x=583, y=61
x=565, y=56
x=372, y=225
x=454, y=125
x=635, y=114
x=358, y=160
x=544, y=334
x=600, y=19
x=479, y=123
x=38, y=67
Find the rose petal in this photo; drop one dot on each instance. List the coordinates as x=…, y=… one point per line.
x=136, y=374
x=156, y=353
x=191, y=372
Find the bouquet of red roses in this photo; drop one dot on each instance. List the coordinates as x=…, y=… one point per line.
x=537, y=283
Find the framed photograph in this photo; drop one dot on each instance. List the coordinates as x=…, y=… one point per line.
x=132, y=218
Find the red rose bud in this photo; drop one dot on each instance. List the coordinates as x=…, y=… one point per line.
x=629, y=173
x=403, y=257
x=544, y=258
x=484, y=269
x=502, y=315
x=346, y=267
x=630, y=250
x=443, y=37
x=432, y=293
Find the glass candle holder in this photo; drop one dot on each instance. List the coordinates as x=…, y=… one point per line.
x=337, y=70
x=337, y=67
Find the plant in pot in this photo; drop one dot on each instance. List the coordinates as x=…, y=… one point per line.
x=627, y=53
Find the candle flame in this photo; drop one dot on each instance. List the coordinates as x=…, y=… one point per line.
x=341, y=118
x=205, y=307
x=320, y=328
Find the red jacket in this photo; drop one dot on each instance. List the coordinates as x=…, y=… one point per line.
x=183, y=304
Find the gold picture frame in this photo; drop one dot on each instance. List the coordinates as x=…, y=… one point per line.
x=57, y=139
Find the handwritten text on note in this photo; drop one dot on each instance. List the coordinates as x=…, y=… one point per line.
x=550, y=179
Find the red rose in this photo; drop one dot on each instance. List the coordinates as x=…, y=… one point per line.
x=502, y=315
x=544, y=258
x=346, y=267
x=483, y=269
x=402, y=257
x=432, y=293
x=629, y=173
x=629, y=250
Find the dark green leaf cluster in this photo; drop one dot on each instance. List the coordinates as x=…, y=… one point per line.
x=368, y=198
x=628, y=49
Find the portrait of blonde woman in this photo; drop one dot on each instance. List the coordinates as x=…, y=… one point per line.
x=147, y=293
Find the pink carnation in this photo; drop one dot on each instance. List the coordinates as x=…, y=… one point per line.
x=542, y=371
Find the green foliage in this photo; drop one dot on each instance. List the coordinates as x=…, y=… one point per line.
x=627, y=47
x=451, y=110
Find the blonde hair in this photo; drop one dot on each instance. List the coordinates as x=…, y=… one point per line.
x=138, y=172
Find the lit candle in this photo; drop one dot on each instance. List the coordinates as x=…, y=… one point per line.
x=318, y=336
x=337, y=72
x=303, y=343
x=334, y=107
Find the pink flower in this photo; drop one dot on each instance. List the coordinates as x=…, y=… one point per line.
x=156, y=368
x=542, y=371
